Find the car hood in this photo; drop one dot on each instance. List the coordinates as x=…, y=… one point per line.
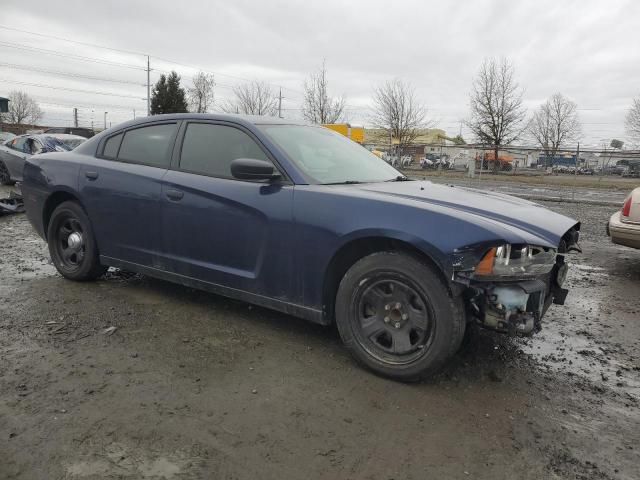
x=512, y=211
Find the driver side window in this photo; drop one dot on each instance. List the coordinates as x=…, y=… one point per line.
x=209, y=149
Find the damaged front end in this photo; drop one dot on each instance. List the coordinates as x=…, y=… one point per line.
x=508, y=288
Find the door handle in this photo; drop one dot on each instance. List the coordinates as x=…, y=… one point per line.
x=174, y=195
x=91, y=175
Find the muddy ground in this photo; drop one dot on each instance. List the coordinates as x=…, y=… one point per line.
x=191, y=385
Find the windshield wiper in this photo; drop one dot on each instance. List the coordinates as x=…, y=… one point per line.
x=344, y=182
x=399, y=178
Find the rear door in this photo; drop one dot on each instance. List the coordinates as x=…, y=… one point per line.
x=121, y=191
x=222, y=230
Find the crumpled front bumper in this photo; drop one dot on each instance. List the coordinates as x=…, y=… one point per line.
x=513, y=304
x=516, y=307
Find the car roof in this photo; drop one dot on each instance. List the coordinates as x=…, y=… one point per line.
x=68, y=128
x=90, y=146
x=45, y=136
x=64, y=136
x=243, y=119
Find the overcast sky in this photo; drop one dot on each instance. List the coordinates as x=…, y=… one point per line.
x=588, y=50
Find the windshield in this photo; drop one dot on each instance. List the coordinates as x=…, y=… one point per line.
x=328, y=157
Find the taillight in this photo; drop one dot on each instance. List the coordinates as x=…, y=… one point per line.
x=626, y=207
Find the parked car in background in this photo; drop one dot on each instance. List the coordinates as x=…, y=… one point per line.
x=13, y=154
x=71, y=141
x=83, y=132
x=624, y=225
x=301, y=219
x=5, y=136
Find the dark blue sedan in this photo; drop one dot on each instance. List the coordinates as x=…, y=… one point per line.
x=300, y=219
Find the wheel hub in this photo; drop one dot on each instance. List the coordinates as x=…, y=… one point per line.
x=393, y=319
x=396, y=315
x=75, y=241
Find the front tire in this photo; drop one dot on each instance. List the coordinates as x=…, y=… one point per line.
x=397, y=317
x=72, y=245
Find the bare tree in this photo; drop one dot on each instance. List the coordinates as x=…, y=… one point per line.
x=398, y=112
x=253, y=98
x=201, y=95
x=318, y=106
x=497, y=113
x=22, y=109
x=633, y=120
x=554, y=124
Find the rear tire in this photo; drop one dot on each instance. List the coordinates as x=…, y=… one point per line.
x=5, y=176
x=397, y=317
x=72, y=245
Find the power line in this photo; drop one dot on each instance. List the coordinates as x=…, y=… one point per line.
x=93, y=92
x=221, y=74
x=89, y=107
x=68, y=55
x=86, y=44
x=65, y=74
x=106, y=62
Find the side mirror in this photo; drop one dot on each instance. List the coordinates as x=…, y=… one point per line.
x=253, y=169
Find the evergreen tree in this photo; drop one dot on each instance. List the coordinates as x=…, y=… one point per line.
x=168, y=96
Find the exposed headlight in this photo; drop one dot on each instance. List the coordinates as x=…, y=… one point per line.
x=516, y=261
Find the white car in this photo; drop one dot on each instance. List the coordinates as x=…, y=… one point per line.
x=624, y=225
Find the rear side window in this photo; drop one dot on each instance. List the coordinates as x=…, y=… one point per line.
x=209, y=149
x=148, y=145
x=111, y=146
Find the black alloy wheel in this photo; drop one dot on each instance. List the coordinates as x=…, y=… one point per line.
x=393, y=318
x=69, y=242
x=397, y=316
x=72, y=245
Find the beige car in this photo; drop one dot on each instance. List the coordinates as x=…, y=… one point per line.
x=624, y=225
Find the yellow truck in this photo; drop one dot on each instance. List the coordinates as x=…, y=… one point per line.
x=354, y=133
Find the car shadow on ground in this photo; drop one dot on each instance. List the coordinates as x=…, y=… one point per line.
x=482, y=357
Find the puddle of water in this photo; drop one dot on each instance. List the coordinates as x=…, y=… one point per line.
x=120, y=461
x=89, y=469
x=573, y=338
x=160, y=467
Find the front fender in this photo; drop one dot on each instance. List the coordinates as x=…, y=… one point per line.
x=438, y=257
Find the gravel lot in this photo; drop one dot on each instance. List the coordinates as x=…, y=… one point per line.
x=191, y=385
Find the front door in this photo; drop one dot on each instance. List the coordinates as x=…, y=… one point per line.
x=221, y=230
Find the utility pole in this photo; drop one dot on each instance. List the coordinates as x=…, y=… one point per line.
x=75, y=117
x=280, y=104
x=105, y=120
x=134, y=113
x=575, y=176
x=148, y=86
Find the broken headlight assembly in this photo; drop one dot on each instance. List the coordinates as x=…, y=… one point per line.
x=515, y=261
